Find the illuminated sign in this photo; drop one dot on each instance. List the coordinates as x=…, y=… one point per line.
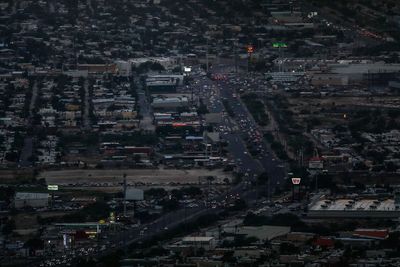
x=279, y=45
x=52, y=187
x=187, y=69
x=179, y=124
x=250, y=49
x=134, y=194
x=296, y=181
x=112, y=217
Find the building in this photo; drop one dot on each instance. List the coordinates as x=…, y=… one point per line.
x=164, y=83
x=169, y=103
x=355, y=208
x=205, y=242
x=263, y=233
x=167, y=62
x=98, y=68
x=213, y=118
x=34, y=200
x=284, y=77
x=329, y=79
x=124, y=68
x=343, y=73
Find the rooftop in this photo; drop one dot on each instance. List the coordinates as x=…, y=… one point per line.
x=353, y=205
x=197, y=239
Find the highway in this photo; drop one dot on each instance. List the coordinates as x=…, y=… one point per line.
x=241, y=127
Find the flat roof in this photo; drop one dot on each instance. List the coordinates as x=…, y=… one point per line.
x=197, y=239
x=349, y=204
x=31, y=195
x=365, y=68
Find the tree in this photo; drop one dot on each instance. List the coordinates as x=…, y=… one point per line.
x=210, y=179
x=156, y=192
x=34, y=244
x=170, y=205
x=85, y=263
x=11, y=156
x=202, y=109
x=112, y=260
x=157, y=67
x=262, y=178
x=191, y=191
x=288, y=249
x=177, y=69
x=226, y=181
x=137, y=158
x=8, y=227
x=239, y=204
x=393, y=241
x=252, y=219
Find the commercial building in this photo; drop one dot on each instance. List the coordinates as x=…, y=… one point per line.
x=355, y=208
x=205, y=242
x=284, y=77
x=170, y=103
x=164, y=83
x=345, y=73
x=34, y=200
x=124, y=68
x=98, y=68
x=263, y=233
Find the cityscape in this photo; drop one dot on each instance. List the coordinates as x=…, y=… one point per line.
x=200, y=133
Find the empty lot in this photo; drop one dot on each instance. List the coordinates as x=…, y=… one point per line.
x=146, y=176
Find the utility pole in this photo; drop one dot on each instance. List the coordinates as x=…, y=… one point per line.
x=124, y=237
x=250, y=50
x=124, y=195
x=207, y=55
x=280, y=59
x=235, y=55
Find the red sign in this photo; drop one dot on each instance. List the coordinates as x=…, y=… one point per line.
x=178, y=124
x=250, y=49
x=296, y=181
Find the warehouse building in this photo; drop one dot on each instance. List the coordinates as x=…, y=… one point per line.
x=34, y=200
x=356, y=208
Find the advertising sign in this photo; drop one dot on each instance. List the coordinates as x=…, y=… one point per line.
x=296, y=181
x=134, y=194
x=52, y=187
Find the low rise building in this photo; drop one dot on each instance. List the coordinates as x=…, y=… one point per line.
x=355, y=208
x=34, y=200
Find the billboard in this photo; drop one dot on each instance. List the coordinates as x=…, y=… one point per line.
x=52, y=187
x=296, y=181
x=178, y=124
x=279, y=45
x=134, y=194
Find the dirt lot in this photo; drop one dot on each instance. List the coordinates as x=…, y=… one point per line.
x=147, y=176
x=372, y=102
x=27, y=224
x=14, y=176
